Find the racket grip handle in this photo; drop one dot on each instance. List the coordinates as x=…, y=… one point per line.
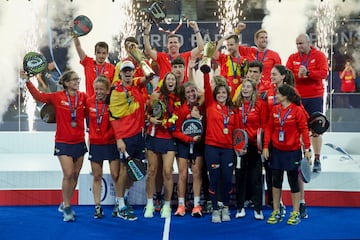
x=152, y=131
x=67, y=41
x=238, y=162
x=191, y=148
x=124, y=155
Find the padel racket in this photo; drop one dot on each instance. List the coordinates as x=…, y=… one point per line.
x=34, y=63
x=240, y=141
x=318, y=123
x=47, y=113
x=260, y=141
x=136, y=168
x=192, y=127
x=339, y=149
x=158, y=110
x=82, y=26
x=305, y=170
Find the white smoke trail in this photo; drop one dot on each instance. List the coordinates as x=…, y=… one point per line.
x=24, y=27
x=284, y=22
x=111, y=21
x=20, y=30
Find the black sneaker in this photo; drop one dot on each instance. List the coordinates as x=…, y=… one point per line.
x=115, y=210
x=129, y=207
x=317, y=166
x=126, y=214
x=282, y=210
x=99, y=213
x=207, y=207
x=158, y=204
x=302, y=209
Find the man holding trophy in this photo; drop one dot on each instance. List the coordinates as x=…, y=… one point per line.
x=233, y=66
x=134, y=54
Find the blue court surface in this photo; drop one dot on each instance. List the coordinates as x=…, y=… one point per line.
x=45, y=222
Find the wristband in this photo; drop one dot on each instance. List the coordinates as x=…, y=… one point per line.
x=197, y=31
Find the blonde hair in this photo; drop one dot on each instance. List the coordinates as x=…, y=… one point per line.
x=240, y=99
x=104, y=80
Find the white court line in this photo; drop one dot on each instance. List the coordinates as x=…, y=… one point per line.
x=166, y=231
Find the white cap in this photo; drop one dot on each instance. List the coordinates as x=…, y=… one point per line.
x=126, y=64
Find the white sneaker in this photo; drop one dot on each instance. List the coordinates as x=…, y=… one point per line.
x=62, y=207
x=240, y=213
x=149, y=211
x=225, y=214
x=165, y=211
x=215, y=216
x=258, y=215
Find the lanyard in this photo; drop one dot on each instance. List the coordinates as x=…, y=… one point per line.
x=282, y=121
x=307, y=59
x=99, y=118
x=245, y=115
x=127, y=94
x=263, y=57
x=72, y=111
x=226, y=117
x=102, y=70
x=170, y=57
x=237, y=65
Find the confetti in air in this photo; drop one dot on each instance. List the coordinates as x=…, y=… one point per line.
x=325, y=24
x=229, y=12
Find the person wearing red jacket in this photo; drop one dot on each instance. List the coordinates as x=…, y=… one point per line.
x=132, y=44
x=173, y=45
x=94, y=67
x=160, y=144
x=190, y=109
x=101, y=139
x=347, y=77
x=70, y=146
x=221, y=120
x=127, y=118
x=310, y=68
x=283, y=148
x=260, y=53
x=252, y=115
x=232, y=65
x=138, y=78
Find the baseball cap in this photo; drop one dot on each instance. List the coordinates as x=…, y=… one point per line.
x=126, y=64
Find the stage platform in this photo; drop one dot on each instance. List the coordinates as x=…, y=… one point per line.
x=31, y=175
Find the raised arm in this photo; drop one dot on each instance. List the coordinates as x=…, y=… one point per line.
x=195, y=52
x=78, y=48
x=219, y=44
x=147, y=46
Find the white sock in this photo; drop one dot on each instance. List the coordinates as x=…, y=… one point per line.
x=302, y=201
x=181, y=201
x=121, y=203
x=150, y=202
x=167, y=203
x=196, y=200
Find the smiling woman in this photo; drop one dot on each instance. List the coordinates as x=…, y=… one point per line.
x=221, y=121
